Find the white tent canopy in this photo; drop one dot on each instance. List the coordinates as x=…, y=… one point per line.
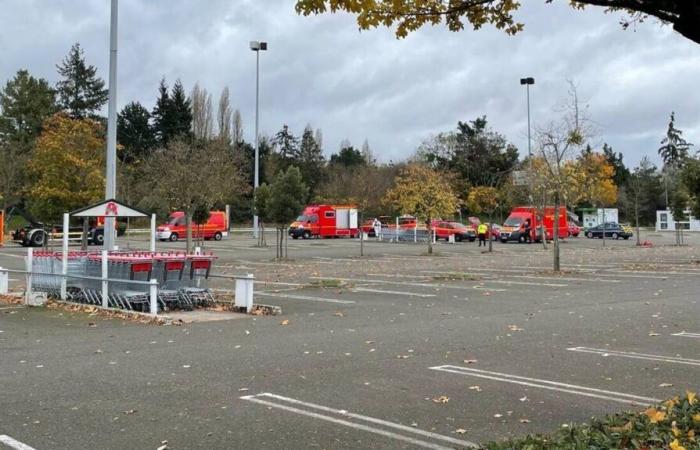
x=109, y=208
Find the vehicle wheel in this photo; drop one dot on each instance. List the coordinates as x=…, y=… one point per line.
x=38, y=239
x=218, y=236
x=521, y=239
x=306, y=234
x=98, y=238
x=295, y=237
x=458, y=238
x=174, y=237
x=589, y=235
x=626, y=237
x=504, y=241
x=615, y=236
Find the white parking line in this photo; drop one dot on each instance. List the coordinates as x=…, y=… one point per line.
x=634, y=355
x=551, y=385
x=380, y=291
x=348, y=415
x=304, y=297
x=524, y=283
x=685, y=334
x=592, y=280
x=13, y=443
x=3, y=308
x=627, y=275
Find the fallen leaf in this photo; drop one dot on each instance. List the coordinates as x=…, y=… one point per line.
x=403, y=356
x=92, y=324
x=475, y=388
x=460, y=431
x=514, y=328
x=523, y=399
x=524, y=421
x=441, y=399
x=130, y=412
x=339, y=314
x=285, y=322
x=666, y=385
x=498, y=416
x=471, y=361
x=652, y=334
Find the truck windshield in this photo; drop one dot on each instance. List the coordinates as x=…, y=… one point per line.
x=305, y=218
x=176, y=220
x=513, y=221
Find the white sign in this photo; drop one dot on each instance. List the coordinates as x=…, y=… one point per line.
x=109, y=208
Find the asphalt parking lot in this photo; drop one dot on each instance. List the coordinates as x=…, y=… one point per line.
x=391, y=350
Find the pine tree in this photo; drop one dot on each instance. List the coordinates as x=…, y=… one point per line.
x=25, y=102
x=81, y=92
x=181, y=110
x=287, y=144
x=674, y=150
x=134, y=132
x=162, y=118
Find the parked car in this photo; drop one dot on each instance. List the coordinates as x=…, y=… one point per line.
x=574, y=230
x=612, y=230
x=495, y=232
x=444, y=229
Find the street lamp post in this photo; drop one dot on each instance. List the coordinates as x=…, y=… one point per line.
x=111, y=169
x=257, y=47
x=527, y=82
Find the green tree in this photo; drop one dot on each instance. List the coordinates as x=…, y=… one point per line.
x=347, y=157
x=622, y=173
x=81, y=92
x=25, y=102
x=134, y=132
x=287, y=145
x=674, y=149
x=690, y=178
x=410, y=15
x=172, y=115
x=484, y=200
x=287, y=198
x=424, y=193
x=311, y=162
x=263, y=195
x=66, y=168
x=644, y=192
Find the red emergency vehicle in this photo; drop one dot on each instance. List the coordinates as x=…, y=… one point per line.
x=515, y=225
x=325, y=221
x=176, y=227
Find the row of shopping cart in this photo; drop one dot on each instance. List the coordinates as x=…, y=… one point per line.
x=181, y=278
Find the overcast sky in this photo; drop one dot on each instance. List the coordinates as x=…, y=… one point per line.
x=356, y=85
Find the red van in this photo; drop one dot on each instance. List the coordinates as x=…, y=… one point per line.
x=326, y=221
x=514, y=225
x=175, y=228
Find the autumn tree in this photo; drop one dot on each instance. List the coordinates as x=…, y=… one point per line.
x=484, y=200
x=409, y=15
x=185, y=175
x=66, y=168
x=592, y=178
x=81, y=93
x=424, y=193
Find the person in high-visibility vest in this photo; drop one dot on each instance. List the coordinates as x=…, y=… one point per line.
x=482, y=229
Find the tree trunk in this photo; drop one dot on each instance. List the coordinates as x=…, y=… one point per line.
x=636, y=220
x=556, y=262
x=490, y=237
x=188, y=225
x=430, y=237
x=285, y=235
x=543, y=232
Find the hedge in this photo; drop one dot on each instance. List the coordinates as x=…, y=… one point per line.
x=672, y=425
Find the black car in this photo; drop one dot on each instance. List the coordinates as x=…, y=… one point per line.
x=612, y=230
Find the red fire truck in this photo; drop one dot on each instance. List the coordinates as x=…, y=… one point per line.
x=514, y=227
x=325, y=221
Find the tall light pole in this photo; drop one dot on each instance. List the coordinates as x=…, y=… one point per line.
x=111, y=172
x=527, y=82
x=257, y=47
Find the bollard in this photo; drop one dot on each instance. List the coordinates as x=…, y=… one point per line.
x=28, y=268
x=244, y=292
x=105, y=283
x=153, y=297
x=4, y=282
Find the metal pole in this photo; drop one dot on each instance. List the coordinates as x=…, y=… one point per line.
x=105, y=283
x=529, y=146
x=111, y=172
x=256, y=182
x=64, y=257
x=153, y=297
x=29, y=264
x=153, y=233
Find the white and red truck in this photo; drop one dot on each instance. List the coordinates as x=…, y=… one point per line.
x=326, y=221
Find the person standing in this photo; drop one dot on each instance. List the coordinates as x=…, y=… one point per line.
x=482, y=229
x=377, y=225
x=527, y=231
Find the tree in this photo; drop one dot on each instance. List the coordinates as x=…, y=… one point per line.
x=674, y=149
x=348, y=157
x=172, y=115
x=423, y=192
x=478, y=155
x=592, y=180
x=367, y=153
x=621, y=172
x=484, y=200
x=409, y=15
x=644, y=192
x=556, y=144
x=311, y=162
x=81, y=92
x=287, y=145
x=287, y=197
x=224, y=117
x=201, y=214
x=25, y=102
x=66, y=168
x=690, y=178
x=186, y=175
x=202, y=113
x=134, y=132
x=678, y=206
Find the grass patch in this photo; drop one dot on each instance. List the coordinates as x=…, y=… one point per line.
x=457, y=277
x=672, y=425
x=329, y=283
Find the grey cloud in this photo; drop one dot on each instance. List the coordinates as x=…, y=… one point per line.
x=323, y=71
